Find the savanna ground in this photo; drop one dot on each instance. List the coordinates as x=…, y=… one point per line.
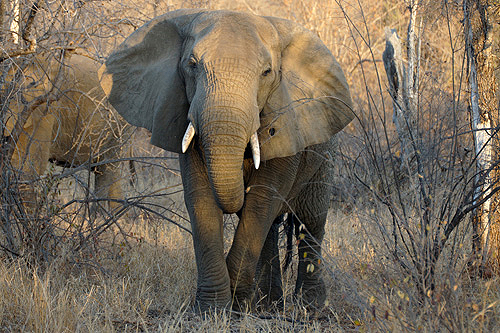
x=137, y=272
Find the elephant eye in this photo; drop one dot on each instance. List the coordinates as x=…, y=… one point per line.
x=266, y=72
x=192, y=62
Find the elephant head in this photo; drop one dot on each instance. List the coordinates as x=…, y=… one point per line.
x=228, y=80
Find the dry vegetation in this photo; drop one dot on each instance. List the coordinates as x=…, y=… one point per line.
x=136, y=272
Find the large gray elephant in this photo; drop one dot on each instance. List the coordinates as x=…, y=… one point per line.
x=251, y=104
x=73, y=130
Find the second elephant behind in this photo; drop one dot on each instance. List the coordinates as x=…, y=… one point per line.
x=76, y=129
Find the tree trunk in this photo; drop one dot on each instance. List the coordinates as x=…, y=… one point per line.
x=481, y=27
x=404, y=97
x=3, y=13
x=15, y=23
x=404, y=88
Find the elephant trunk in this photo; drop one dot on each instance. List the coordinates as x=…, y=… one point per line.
x=224, y=157
x=226, y=121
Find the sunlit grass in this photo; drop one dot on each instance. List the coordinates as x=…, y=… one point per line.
x=151, y=285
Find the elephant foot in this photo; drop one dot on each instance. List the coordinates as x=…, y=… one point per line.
x=208, y=302
x=243, y=300
x=257, y=300
x=269, y=298
x=311, y=294
x=268, y=303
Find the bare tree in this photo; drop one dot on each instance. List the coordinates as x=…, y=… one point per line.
x=404, y=84
x=481, y=30
x=33, y=70
x=463, y=187
x=34, y=31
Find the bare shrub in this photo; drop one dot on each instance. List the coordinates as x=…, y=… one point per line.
x=419, y=180
x=39, y=39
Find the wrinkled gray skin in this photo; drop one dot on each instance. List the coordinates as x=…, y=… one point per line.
x=75, y=129
x=232, y=75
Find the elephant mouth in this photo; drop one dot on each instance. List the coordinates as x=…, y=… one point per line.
x=253, y=143
x=225, y=156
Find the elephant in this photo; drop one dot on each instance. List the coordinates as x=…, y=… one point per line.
x=75, y=129
x=251, y=104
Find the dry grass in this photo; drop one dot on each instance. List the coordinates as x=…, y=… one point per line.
x=150, y=285
x=143, y=277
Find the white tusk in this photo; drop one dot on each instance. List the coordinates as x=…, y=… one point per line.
x=254, y=143
x=186, y=140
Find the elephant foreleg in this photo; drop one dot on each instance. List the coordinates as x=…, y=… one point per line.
x=269, y=269
x=108, y=184
x=311, y=211
x=267, y=189
x=207, y=228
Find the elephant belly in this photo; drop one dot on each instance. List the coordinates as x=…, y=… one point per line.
x=312, y=160
x=297, y=170
x=75, y=141
x=69, y=152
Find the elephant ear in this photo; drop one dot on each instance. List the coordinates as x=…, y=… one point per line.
x=142, y=81
x=312, y=102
